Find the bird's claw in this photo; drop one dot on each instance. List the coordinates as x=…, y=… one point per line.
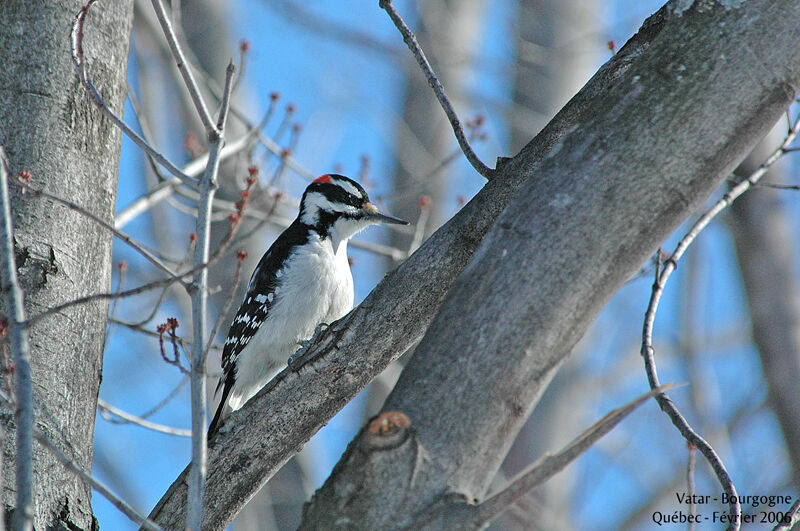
x=298, y=359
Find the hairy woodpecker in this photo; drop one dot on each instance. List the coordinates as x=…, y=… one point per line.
x=302, y=281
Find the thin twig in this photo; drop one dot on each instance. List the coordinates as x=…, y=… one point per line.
x=166, y=188
x=166, y=400
x=648, y=351
x=146, y=132
x=244, y=47
x=23, y=389
x=241, y=256
x=284, y=125
x=162, y=297
x=122, y=267
x=183, y=67
x=433, y=81
x=80, y=66
x=105, y=407
x=690, y=485
x=419, y=229
x=159, y=406
x=169, y=328
x=268, y=143
x=105, y=296
x=230, y=71
x=285, y=154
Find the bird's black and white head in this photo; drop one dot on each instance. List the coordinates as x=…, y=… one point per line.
x=338, y=207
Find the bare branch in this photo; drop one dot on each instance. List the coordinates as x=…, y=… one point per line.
x=433, y=81
x=23, y=390
x=690, y=466
x=109, y=296
x=162, y=297
x=166, y=188
x=169, y=327
x=106, y=408
x=208, y=187
x=100, y=221
x=648, y=351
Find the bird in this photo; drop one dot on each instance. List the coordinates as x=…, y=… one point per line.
x=303, y=281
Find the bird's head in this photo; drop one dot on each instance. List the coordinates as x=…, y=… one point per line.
x=339, y=207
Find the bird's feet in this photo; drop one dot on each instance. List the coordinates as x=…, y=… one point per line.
x=301, y=357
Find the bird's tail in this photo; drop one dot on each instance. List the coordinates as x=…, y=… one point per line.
x=222, y=411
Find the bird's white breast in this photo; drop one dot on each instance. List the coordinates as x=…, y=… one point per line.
x=314, y=286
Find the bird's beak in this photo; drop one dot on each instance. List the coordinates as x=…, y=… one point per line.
x=372, y=212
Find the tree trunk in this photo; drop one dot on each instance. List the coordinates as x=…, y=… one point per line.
x=50, y=128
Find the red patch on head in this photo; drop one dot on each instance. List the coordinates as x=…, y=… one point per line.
x=324, y=179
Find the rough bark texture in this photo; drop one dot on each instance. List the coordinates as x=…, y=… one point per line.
x=587, y=217
x=765, y=247
x=50, y=128
x=591, y=211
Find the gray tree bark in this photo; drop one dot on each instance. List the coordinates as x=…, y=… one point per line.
x=582, y=209
x=49, y=127
x=765, y=245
